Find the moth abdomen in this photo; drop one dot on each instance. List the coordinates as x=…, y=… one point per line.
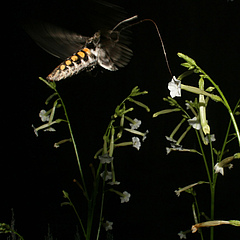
x=79, y=61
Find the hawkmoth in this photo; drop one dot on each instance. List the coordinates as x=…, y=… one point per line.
x=106, y=48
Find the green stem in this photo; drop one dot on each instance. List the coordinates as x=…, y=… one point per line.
x=79, y=219
x=198, y=215
x=74, y=145
x=212, y=188
x=212, y=210
x=204, y=159
x=17, y=234
x=101, y=210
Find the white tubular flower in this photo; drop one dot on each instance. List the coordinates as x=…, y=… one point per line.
x=184, y=189
x=105, y=158
x=43, y=115
x=136, y=142
x=114, y=183
x=50, y=129
x=144, y=135
x=219, y=167
x=195, y=123
x=170, y=139
x=35, y=131
x=135, y=125
x=108, y=225
x=182, y=235
x=125, y=197
x=106, y=175
x=188, y=187
x=174, y=87
x=212, y=138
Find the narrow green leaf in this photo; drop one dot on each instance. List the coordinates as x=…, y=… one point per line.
x=50, y=98
x=50, y=84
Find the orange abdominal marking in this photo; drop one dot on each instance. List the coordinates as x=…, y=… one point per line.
x=68, y=62
x=74, y=58
x=62, y=67
x=81, y=54
x=87, y=50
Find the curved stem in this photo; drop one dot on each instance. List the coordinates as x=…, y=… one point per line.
x=74, y=145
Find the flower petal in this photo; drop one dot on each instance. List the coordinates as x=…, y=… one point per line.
x=175, y=87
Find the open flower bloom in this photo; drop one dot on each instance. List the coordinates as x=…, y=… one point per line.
x=43, y=115
x=212, y=138
x=125, y=197
x=219, y=167
x=136, y=142
x=108, y=225
x=195, y=123
x=106, y=175
x=105, y=158
x=135, y=125
x=50, y=129
x=113, y=183
x=183, y=235
x=174, y=87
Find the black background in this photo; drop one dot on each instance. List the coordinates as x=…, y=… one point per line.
x=33, y=173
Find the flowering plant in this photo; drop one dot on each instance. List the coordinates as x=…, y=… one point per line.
x=102, y=167
x=195, y=115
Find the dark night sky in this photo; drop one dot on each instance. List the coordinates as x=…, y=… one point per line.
x=33, y=173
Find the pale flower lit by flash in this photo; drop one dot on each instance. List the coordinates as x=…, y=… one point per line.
x=182, y=235
x=43, y=116
x=50, y=129
x=188, y=188
x=174, y=87
x=108, y=225
x=136, y=142
x=114, y=183
x=105, y=158
x=195, y=123
x=125, y=197
x=212, y=138
x=136, y=124
x=145, y=135
x=106, y=175
x=219, y=167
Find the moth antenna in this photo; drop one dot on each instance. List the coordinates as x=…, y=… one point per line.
x=159, y=35
x=126, y=20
